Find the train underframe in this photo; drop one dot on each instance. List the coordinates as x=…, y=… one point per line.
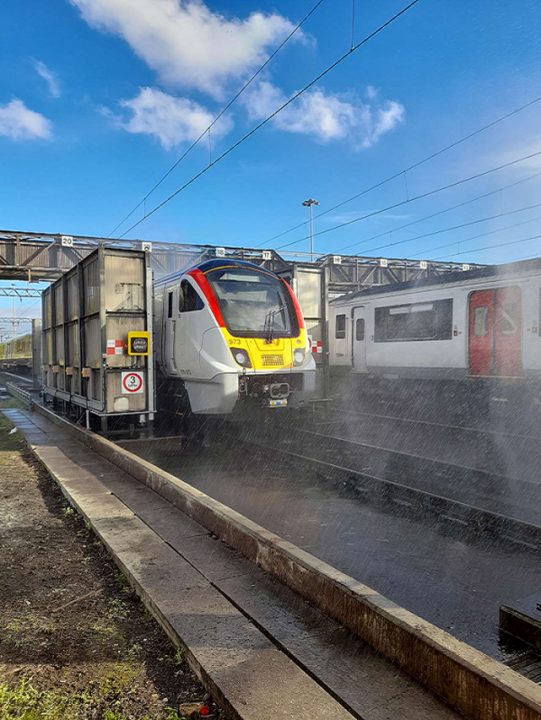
x=471, y=397
x=230, y=392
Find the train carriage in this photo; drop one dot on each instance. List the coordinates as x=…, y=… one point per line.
x=16, y=353
x=229, y=332
x=484, y=323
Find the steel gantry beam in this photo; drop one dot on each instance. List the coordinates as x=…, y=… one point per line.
x=19, y=292
x=15, y=320
x=351, y=273
x=33, y=256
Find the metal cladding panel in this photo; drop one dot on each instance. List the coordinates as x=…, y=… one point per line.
x=124, y=283
x=73, y=295
x=118, y=401
x=308, y=292
x=91, y=279
x=73, y=383
x=92, y=342
x=60, y=357
x=95, y=386
x=61, y=379
x=36, y=351
x=72, y=351
x=47, y=378
x=46, y=304
x=58, y=289
x=118, y=327
x=47, y=347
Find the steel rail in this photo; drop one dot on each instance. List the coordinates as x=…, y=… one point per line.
x=422, y=502
x=419, y=421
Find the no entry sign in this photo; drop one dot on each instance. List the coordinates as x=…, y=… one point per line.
x=132, y=383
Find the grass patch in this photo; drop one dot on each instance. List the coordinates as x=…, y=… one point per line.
x=100, y=701
x=24, y=702
x=7, y=441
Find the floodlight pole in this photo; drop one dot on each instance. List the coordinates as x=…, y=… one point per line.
x=309, y=204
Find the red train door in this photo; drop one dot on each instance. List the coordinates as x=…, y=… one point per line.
x=481, y=332
x=508, y=332
x=495, y=332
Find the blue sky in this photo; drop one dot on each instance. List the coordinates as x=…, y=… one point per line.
x=99, y=97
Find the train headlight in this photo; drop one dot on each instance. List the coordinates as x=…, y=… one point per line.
x=298, y=357
x=241, y=356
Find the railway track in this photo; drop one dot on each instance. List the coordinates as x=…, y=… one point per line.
x=451, y=495
x=16, y=378
x=421, y=422
x=483, y=467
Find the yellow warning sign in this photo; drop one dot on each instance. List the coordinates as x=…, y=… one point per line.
x=139, y=342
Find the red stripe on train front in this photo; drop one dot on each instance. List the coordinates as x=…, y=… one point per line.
x=207, y=291
x=298, y=311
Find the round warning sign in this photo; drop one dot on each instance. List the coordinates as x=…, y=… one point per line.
x=132, y=383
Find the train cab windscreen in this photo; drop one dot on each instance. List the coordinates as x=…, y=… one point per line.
x=253, y=303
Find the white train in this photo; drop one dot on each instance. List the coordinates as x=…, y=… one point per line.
x=229, y=332
x=483, y=323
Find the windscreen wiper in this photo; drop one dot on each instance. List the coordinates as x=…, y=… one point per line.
x=268, y=326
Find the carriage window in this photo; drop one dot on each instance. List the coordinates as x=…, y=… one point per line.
x=340, y=329
x=170, y=304
x=188, y=298
x=359, y=329
x=508, y=318
x=480, y=315
x=418, y=321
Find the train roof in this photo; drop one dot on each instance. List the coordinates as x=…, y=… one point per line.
x=212, y=264
x=486, y=271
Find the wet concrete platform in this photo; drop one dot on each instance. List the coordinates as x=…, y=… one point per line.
x=264, y=652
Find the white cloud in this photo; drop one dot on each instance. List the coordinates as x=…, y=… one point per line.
x=18, y=122
x=172, y=120
x=53, y=84
x=185, y=43
x=327, y=116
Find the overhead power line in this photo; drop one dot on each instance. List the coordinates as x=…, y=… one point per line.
x=527, y=257
x=407, y=169
x=220, y=114
x=431, y=216
x=425, y=252
x=454, y=227
x=490, y=247
x=266, y=120
x=421, y=196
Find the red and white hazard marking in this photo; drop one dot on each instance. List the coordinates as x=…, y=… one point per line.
x=115, y=347
x=317, y=346
x=132, y=382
